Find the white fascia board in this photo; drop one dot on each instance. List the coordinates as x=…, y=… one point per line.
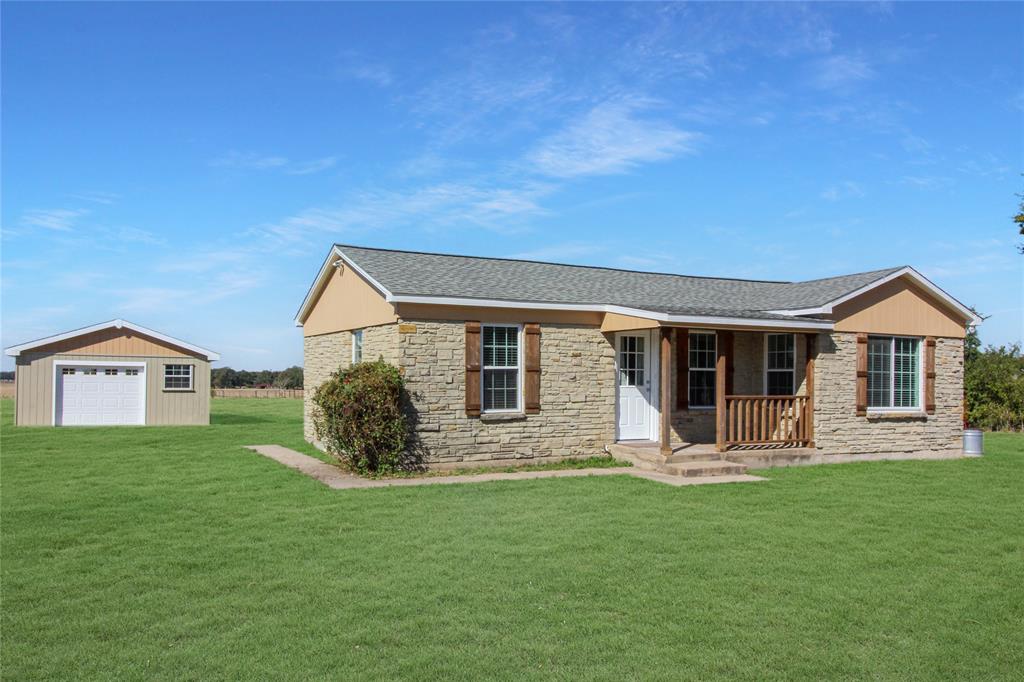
x=621, y=310
x=325, y=273
x=14, y=351
x=908, y=271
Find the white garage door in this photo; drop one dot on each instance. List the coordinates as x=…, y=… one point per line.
x=97, y=395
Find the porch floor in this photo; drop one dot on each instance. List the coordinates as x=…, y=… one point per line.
x=702, y=459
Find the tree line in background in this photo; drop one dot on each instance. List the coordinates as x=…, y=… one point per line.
x=225, y=377
x=994, y=385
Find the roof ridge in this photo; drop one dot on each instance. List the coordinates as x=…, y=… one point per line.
x=569, y=265
x=854, y=274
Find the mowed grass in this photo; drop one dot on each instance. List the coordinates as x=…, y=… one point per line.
x=173, y=553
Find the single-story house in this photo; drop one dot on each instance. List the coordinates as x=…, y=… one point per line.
x=508, y=360
x=112, y=373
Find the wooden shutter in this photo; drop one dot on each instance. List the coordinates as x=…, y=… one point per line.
x=929, y=374
x=862, y=374
x=473, y=369
x=531, y=383
x=726, y=339
x=682, y=369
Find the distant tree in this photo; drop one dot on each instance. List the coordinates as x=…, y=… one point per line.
x=6, y=376
x=289, y=378
x=1019, y=221
x=224, y=377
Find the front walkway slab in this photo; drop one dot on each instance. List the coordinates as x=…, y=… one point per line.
x=333, y=477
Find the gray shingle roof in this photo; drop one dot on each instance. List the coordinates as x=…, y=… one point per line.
x=429, y=274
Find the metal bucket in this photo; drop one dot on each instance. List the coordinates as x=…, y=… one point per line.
x=973, y=442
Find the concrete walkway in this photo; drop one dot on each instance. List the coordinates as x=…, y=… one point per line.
x=333, y=477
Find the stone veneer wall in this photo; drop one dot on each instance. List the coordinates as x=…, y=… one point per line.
x=838, y=429
x=326, y=353
x=577, y=395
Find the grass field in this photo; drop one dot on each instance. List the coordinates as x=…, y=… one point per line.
x=173, y=553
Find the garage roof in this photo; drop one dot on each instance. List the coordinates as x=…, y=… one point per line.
x=112, y=324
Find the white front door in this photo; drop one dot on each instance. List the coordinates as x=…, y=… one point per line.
x=635, y=385
x=95, y=395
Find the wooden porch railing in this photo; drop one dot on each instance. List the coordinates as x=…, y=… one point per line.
x=763, y=420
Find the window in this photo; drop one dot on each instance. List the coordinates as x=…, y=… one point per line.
x=894, y=372
x=631, y=361
x=357, y=346
x=500, y=368
x=702, y=369
x=110, y=372
x=91, y=371
x=177, y=377
x=67, y=370
x=779, y=363
x=132, y=372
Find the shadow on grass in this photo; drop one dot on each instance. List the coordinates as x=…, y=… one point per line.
x=232, y=419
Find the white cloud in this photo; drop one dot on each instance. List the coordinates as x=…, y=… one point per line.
x=105, y=198
x=843, y=190
x=610, y=139
x=59, y=219
x=474, y=202
x=259, y=162
x=249, y=161
x=926, y=181
x=374, y=73
x=841, y=71
x=308, y=167
x=561, y=252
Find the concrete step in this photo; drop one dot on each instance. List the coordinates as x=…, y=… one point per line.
x=684, y=455
x=706, y=467
x=641, y=457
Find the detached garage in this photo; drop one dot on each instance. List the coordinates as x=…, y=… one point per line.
x=111, y=374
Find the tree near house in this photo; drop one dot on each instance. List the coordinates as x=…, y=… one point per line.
x=993, y=385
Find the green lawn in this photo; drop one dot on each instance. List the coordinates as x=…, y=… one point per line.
x=173, y=553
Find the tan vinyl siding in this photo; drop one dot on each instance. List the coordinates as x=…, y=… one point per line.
x=898, y=307
x=35, y=383
x=110, y=342
x=347, y=302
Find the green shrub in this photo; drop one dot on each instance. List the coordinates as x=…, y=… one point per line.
x=358, y=416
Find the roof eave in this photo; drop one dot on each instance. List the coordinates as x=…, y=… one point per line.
x=15, y=351
x=827, y=308
x=316, y=288
x=667, y=318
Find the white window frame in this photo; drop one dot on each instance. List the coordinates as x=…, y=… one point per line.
x=191, y=378
x=779, y=371
x=519, y=368
x=690, y=369
x=357, y=357
x=892, y=375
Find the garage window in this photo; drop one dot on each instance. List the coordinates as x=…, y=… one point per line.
x=90, y=371
x=67, y=370
x=177, y=377
x=132, y=372
x=110, y=372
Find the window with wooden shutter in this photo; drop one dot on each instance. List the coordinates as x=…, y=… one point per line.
x=682, y=369
x=473, y=392
x=531, y=386
x=862, y=374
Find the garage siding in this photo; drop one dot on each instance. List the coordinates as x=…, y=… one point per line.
x=34, y=388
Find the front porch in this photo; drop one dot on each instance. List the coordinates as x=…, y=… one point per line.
x=723, y=390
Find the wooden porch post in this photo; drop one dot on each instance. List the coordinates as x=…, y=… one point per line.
x=721, y=370
x=665, y=390
x=809, y=378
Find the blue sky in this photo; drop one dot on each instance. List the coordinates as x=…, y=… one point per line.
x=186, y=166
